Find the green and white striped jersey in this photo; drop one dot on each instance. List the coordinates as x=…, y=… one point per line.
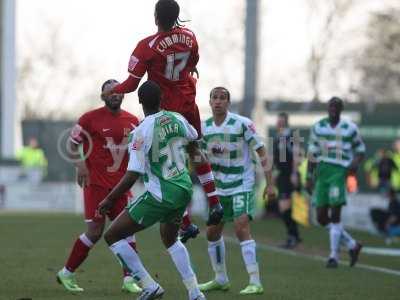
x=335, y=145
x=156, y=151
x=230, y=149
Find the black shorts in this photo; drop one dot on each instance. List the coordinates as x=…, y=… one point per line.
x=285, y=187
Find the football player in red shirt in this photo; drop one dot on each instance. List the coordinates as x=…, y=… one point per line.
x=170, y=57
x=103, y=133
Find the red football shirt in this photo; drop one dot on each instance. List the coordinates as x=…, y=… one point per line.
x=105, y=140
x=168, y=58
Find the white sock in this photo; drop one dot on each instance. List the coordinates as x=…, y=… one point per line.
x=84, y=239
x=250, y=260
x=335, y=233
x=348, y=240
x=129, y=258
x=216, y=251
x=66, y=272
x=181, y=259
x=131, y=239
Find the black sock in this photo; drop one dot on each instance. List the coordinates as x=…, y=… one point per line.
x=291, y=225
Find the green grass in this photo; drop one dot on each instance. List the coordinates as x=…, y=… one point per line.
x=34, y=247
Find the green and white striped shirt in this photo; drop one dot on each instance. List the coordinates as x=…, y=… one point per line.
x=335, y=145
x=156, y=150
x=229, y=148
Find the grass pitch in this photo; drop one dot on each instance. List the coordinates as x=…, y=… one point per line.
x=34, y=247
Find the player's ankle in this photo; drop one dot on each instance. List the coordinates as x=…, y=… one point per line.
x=66, y=272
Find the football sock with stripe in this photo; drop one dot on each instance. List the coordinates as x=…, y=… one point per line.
x=250, y=259
x=132, y=242
x=216, y=251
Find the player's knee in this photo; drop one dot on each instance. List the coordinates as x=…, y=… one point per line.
x=94, y=235
x=213, y=233
x=110, y=238
x=168, y=240
x=242, y=228
x=322, y=220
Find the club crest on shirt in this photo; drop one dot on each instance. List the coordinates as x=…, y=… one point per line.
x=164, y=120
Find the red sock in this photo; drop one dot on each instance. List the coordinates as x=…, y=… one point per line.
x=206, y=179
x=132, y=243
x=186, y=221
x=79, y=252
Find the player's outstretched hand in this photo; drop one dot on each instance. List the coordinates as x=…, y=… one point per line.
x=215, y=215
x=104, y=206
x=82, y=174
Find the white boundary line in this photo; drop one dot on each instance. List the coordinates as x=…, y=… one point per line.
x=381, y=251
x=265, y=247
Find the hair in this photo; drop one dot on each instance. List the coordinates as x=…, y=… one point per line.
x=336, y=101
x=150, y=95
x=221, y=88
x=285, y=116
x=167, y=13
x=107, y=82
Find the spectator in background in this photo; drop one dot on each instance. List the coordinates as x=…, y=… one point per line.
x=388, y=221
x=383, y=169
x=386, y=167
x=371, y=171
x=33, y=161
x=396, y=159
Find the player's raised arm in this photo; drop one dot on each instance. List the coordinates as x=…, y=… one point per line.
x=137, y=67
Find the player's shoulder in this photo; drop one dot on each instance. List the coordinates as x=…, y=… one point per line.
x=348, y=124
x=172, y=114
x=148, y=41
x=208, y=122
x=128, y=115
x=324, y=122
x=145, y=124
x=185, y=30
x=238, y=118
x=92, y=114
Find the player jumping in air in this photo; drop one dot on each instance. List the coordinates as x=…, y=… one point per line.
x=156, y=154
x=335, y=150
x=229, y=140
x=169, y=57
x=103, y=133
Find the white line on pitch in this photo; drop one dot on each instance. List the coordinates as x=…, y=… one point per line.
x=313, y=257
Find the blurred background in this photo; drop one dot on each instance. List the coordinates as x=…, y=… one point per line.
x=274, y=56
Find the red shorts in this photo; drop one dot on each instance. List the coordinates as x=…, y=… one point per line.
x=193, y=117
x=93, y=195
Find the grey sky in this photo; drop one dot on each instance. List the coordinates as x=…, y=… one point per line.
x=99, y=36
